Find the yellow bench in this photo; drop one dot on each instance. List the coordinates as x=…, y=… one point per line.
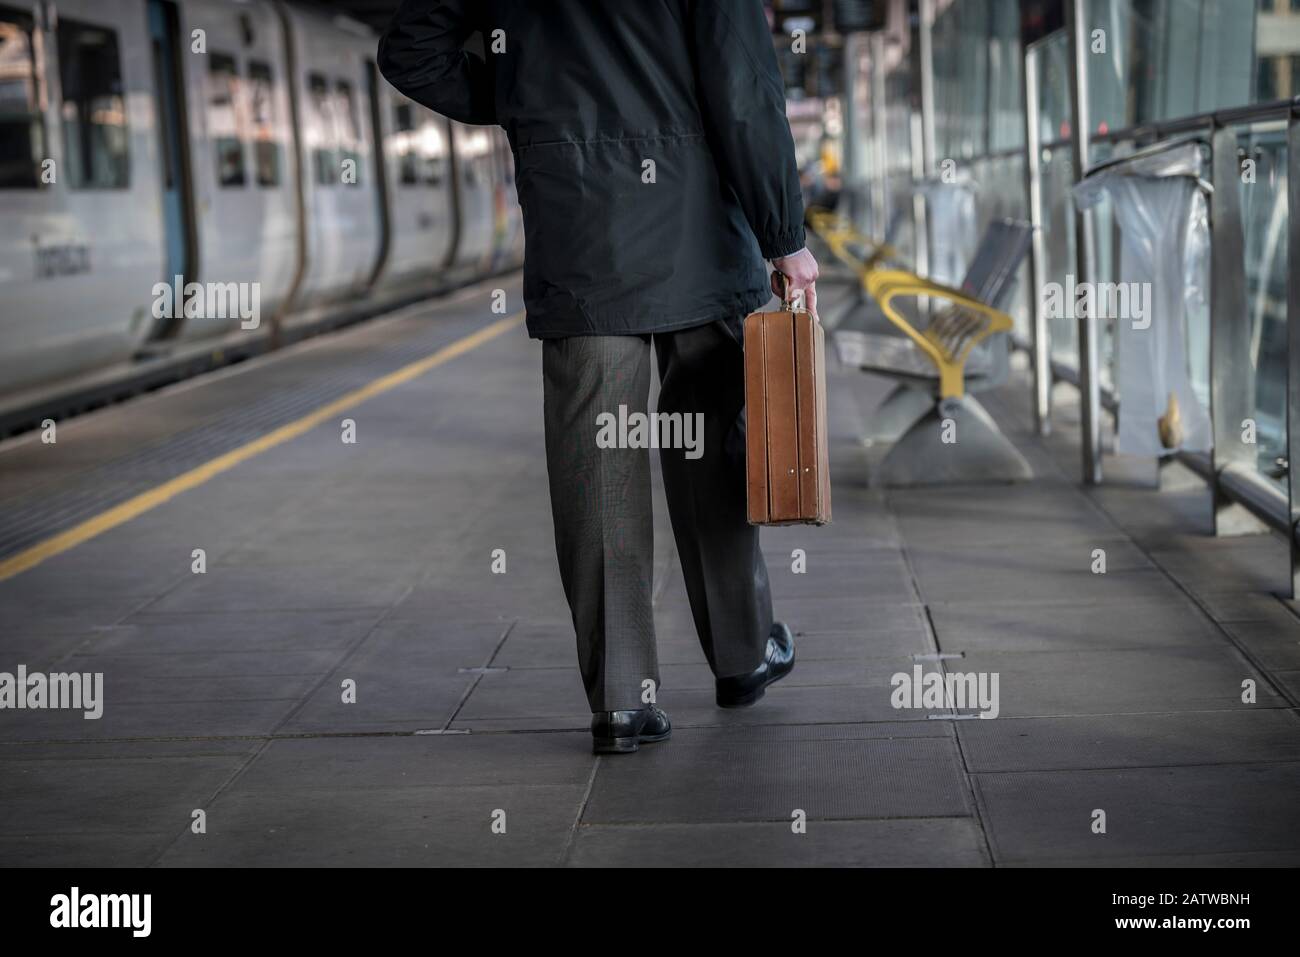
x=840, y=237
x=949, y=337
x=946, y=340
x=936, y=361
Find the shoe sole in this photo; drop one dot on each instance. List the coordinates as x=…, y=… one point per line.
x=626, y=745
x=754, y=696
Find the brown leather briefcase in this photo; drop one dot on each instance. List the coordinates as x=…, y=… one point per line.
x=785, y=434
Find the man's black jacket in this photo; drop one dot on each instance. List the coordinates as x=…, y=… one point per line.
x=655, y=165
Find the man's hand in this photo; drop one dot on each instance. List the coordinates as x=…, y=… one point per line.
x=801, y=270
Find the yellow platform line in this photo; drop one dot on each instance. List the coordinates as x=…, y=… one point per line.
x=134, y=507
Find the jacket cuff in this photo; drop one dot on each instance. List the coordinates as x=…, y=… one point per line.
x=783, y=244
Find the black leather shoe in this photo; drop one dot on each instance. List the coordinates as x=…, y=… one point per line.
x=622, y=732
x=739, y=691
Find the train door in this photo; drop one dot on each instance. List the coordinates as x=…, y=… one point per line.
x=75, y=94
x=340, y=188
x=177, y=207
x=472, y=148
x=245, y=193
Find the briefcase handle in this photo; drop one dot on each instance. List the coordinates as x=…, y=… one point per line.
x=787, y=303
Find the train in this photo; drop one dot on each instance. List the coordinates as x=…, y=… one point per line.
x=155, y=150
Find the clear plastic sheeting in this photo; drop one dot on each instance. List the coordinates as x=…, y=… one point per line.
x=1159, y=201
x=953, y=224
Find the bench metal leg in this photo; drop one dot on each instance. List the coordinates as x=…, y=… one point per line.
x=954, y=442
x=901, y=409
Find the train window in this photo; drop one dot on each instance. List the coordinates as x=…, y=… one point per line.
x=224, y=120
x=266, y=143
x=22, y=124
x=95, y=131
x=436, y=167
x=349, y=131
x=404, y=143
x=322, y=132
x=435, y=153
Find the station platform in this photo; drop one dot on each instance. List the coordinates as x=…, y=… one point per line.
x=331, y=565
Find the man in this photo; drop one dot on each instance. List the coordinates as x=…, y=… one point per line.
x=656, y=172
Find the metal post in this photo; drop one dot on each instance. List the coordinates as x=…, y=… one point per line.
x=1293, y=342
x=926, y=30
x=1040, y=332
x=923, y=164
x=1076, y=13
x=851, y=161
x=879, y=185
x=920, y=228
x=1232, y=377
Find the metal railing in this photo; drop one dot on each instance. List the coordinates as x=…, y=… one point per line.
x=1231, y=471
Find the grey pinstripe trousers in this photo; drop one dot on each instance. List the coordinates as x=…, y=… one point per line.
x=600, y=502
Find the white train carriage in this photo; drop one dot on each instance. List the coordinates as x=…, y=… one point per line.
x=422, y=205
x=478, y=176
x=80, y=183
x=239, y=144
x=340, y=179
x=243, y=210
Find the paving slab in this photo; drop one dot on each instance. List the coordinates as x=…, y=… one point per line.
x=416, y=761
x=1130, y=741
x=1035, y=573
x=926, y=842
x=133, y=849
x=708, y=777
x=294, y=587
x=236, y=632
x=406, y=677
x=129, y=793
x=1149, y=812
x=1110, y=682
x=1152, y=621
x=383, y=827
x=1274, y=644
x=199, y=719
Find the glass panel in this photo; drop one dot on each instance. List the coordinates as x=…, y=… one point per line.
x=266, y=140
x=1058, y=239
x=349, y=132
x=900, y=107
x=1053, y=65
x=224, y=121
x=321, y=132
x=433, y=152
x=1264, y=219
x=95, y=131
x=1277, y=49
x=1156, y=60
x=961, y=79
x=1006, y=65
x=22, y=124
x=404, y=143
